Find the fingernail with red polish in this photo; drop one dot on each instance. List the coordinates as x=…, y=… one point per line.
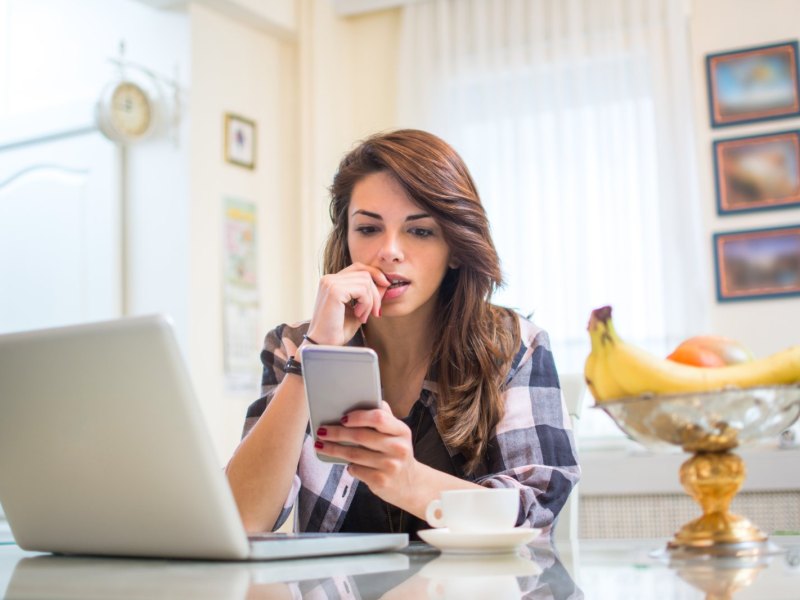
x=318, y=445
x=322, y=432
x=344, y=419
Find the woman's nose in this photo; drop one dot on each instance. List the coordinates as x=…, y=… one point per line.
x=391, y=250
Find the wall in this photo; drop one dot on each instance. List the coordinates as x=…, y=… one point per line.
x=374, y=55
x=717, y=25
x=347, y=91
x=239, y=69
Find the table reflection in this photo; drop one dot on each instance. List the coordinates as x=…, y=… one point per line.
x=644, y=569
x=722, y=578
x=603, y=569
x=420, y=574
x=536, y=572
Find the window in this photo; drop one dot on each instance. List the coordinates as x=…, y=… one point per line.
x=577, y=129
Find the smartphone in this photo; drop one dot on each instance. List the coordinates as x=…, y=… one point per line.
x=339, y=379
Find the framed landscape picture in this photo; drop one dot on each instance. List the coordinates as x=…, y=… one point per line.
x=753, y=84
x=760, y=263
x=757, y=172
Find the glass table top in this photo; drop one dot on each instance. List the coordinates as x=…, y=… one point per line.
x=613, y=569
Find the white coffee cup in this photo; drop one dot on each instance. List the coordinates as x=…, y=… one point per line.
x=486, y=509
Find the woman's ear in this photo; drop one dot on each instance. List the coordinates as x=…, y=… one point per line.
x=454, y=264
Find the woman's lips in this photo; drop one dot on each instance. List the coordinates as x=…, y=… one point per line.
x=399, y=286
x=396, y=290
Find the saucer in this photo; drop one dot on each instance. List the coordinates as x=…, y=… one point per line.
x=478, y=542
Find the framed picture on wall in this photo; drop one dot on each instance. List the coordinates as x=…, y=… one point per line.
x=753, y=84
x=759, y=263
x=758, y=172
x=240, y=141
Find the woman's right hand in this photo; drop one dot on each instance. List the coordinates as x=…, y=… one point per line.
x=345, y=300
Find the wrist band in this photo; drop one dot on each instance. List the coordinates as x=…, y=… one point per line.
x=293, y=367
x=309, y=340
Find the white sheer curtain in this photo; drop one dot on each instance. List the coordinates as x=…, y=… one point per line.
x=575, y=118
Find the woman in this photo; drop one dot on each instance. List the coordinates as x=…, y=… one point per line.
x=471, y=392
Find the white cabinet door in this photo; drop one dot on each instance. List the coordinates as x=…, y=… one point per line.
x=60, y=229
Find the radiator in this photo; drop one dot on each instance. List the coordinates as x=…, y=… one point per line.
x=661, y=515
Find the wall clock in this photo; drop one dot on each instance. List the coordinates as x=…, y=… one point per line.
x=126, y=111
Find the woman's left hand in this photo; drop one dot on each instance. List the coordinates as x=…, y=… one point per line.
x=383, y=455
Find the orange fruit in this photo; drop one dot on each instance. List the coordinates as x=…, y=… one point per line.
x=710, y=351
x=696, y=356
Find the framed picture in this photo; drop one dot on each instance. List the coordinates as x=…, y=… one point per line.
x=753, y=84
x=240, y=141
x=760, y=263
x=758, y=172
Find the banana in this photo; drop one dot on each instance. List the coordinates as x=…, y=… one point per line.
x=619, y=370
x=599, y=381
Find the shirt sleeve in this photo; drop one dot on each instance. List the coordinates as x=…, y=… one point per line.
x=533, y=448
x=322, y=491
x=279, y=344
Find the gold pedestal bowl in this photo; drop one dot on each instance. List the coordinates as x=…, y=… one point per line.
x=710, y=425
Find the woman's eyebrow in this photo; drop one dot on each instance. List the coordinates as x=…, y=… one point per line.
x=367, y=213
x=373, y=215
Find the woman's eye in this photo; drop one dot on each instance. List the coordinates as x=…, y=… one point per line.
x=366, y=229
x=421, y=232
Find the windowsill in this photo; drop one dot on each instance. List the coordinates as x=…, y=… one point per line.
x=634, y=470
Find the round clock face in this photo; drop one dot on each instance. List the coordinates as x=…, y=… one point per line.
x=130, y=110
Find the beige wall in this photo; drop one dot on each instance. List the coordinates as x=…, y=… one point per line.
x=348, y=87
x=374, y=48
x=718, y=25
x=239, y=69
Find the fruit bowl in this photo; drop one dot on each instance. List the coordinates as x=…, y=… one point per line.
x=709, y=425
x=707, y=421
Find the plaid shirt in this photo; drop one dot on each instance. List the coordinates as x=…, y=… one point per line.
x=532, y=448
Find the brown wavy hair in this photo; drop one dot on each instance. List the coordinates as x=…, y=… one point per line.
x=474, y=340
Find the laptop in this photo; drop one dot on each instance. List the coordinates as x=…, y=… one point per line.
x=104, y=451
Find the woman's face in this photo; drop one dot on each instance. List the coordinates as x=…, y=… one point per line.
x=388, y=230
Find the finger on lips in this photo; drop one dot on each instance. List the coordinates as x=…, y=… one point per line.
x=378, y=276
x=367, y=286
